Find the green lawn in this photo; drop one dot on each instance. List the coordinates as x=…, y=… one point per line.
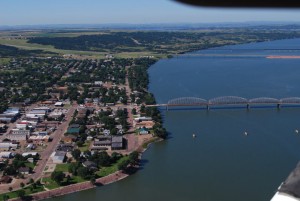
x=28, y=191
x=77, y=179
x=30, y=165
x=104, y=171
x=4, y=61
x=85, y=146
x=62, y=167
x=49, y=183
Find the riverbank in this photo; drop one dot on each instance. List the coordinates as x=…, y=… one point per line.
x=73, y=188
x=117, y=176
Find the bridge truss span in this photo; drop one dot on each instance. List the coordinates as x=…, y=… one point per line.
x=228, y=100
x=264, y=100
x=290, y=100
x=186, y=101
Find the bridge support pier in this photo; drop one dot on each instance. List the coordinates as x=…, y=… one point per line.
x=207, y=107
x=248, y=106
x=278, y=106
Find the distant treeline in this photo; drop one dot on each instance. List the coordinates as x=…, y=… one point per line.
x=162, y=42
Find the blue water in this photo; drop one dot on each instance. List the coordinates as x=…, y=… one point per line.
x=221, y=163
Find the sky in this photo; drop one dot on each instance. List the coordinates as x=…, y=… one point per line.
x=42, y=12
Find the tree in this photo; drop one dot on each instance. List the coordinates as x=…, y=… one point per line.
x=93, y=180
x=10, y=188
x=21, y=193
x=123, y=165
x=31, y=181
x=76, y=154
x=79, y=144
x=5, y=197
x=115, y=157
x=22, y=185
x=134, y=157
x=103, y=159
x=83, y=172
x=73, y=168
x=113, y=131
x=133, y=111
x=58, y=176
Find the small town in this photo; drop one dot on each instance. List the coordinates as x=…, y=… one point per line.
x=72, y=121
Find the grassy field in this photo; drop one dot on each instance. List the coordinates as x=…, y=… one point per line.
x=30, y=165
x=85, y=146
x=50, y=184
x=62, y=167
x=4, y=61
x=28, y=190
x=104, y=171
x=22, y=44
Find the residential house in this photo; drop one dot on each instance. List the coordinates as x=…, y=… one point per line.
x=143, y=131
x=58, y=156
x=8, y=145
x=24, y=170
x=90, y=165
x=6, y=154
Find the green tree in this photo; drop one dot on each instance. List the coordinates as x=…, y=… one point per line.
x=83, y=172
x=133, y=111
x=93, y=180
x=123, y=165
x=115, y=157
x=21, y=193
x=73, y=168
x=134, y=157
x=57, y=176
x=22, y=185
x=5, y=197
x=113, y=131
x=76, y=154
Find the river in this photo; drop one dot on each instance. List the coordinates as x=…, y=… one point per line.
x=221, y=163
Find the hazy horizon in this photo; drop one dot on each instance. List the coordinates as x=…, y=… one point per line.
x=46, y=12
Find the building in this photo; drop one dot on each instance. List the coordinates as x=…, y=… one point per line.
x=58, y=156
x=116, y=142
x=25, y=154
x=20, y=132
x=22, y=125
x=143, y=131
x=12, y=111
x=6, y=154
x=24, y=170
x=139, y=119
x=8, y=146
x=146, y=124
x=55, y=114
x=90, y=165
x=59, y=104
x=65, y=147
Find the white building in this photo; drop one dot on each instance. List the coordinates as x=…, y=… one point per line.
x=58, y=156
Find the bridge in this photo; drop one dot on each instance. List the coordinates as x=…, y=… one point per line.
x=229, y=101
